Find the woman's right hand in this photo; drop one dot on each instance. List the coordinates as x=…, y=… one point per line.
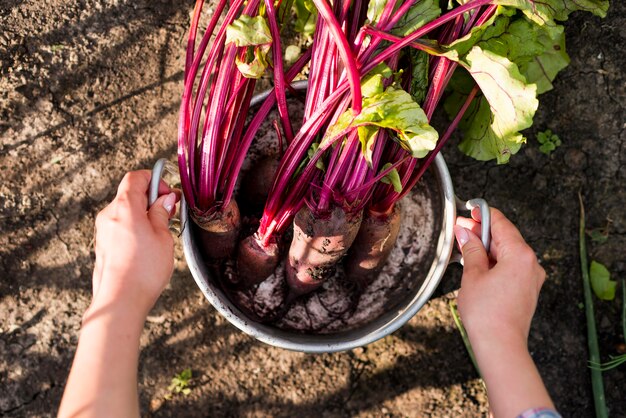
x=497, y=300
x=499, y=290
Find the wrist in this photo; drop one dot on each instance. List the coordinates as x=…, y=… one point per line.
x=491, y=341
x=110, y=310
x=125, y=291
x=510, y=375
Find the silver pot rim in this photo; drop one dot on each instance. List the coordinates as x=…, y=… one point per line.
x=341, y=341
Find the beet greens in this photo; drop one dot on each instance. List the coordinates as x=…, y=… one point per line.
x=377, y=73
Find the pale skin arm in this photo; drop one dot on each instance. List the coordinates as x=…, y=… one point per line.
x=497, y=300
x=134, y=261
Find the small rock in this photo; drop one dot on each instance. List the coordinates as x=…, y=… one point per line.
x=575, y=159
x=605, y=323
x=540, y=182
x=155, y=404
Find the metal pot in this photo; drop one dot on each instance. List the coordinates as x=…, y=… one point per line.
x=345, y=340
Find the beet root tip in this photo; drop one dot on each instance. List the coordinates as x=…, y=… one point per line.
x=255, y=261
x=372, y=246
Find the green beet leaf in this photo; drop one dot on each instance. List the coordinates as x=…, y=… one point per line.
x=491, y=29
x=417, y=16
x=248, y=31
x=419, y=70
x=292, y=53
x=542, y=69
x=547, y=11
x=253, y=33
x=393, y=109
x=373, y=83
x=375, y=10
x=601, y=282
x=538, y=52
x=255, y=64
x=310, y=154
x=392, y=178
x=306, y=17
x=492, y=123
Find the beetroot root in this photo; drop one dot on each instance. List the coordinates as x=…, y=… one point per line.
x=255, y=261
x=257, y=183
x=317, y=246
x=219, y=233
x=372, y=246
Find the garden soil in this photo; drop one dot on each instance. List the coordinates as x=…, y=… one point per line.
x=90, y=89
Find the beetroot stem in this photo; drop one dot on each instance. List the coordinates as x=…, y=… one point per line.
x=344, y=52
x=279, y=73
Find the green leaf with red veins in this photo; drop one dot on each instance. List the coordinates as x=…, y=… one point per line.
x=491, y=125
x=419, y=70
x=393, y=109
x=538, y=52
x=422, y=12
x=547, y=11
x=248, y=31
x=542, y=69
x=373, y=82
x=392, y=178
x=492, y=28
x=417, y=16
x=253, y=33
x=257, y=64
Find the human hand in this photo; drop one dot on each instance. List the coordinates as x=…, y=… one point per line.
x=497, y=300
x=134, y=247
x=499, y=290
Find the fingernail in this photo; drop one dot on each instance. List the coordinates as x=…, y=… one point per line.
x=476, y=214
x=461, y=235
x=169, y=202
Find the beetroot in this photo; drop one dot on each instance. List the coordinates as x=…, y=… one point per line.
x=318, y=245
x=372, y=245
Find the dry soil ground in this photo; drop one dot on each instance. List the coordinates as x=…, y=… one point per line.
x=90, y=89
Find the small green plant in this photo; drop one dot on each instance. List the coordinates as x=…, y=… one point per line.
x=621, y=359
x=549, y=141
x=601, y=282
x=465, y=337
x=598, y=235
x=597, y=384
x=180, y=384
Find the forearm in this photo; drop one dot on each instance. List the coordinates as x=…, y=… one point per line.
x=103, y=379
x=513, y=382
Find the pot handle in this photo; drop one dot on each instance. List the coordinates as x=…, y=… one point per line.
x=163, y=168
x=485, y=223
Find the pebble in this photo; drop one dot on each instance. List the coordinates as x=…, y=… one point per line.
x=155, y=404
x=605, y=323
x=575, y=159
x=540, y=182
